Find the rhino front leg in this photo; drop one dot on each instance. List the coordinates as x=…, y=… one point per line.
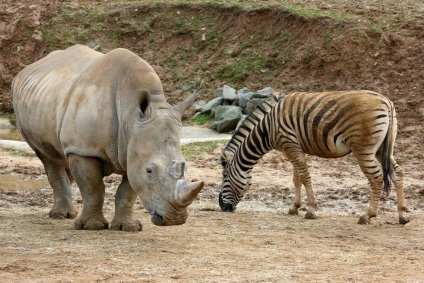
x=124, y=202
x=88, y=175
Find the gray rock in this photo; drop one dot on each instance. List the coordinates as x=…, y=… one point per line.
x=253, y=104
x=244, y=98
x=211, y=104
x=227, y=126
x=243, y=91
x=227, y=118
x=264, y=93
x=229, y=93
x=188, y=85
x=223, y=112
x=218, y=92
x=198, y=105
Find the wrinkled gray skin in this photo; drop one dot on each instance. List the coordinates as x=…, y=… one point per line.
x=88, y=115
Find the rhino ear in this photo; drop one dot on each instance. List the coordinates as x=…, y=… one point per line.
x=186, y=103
x=143, y=102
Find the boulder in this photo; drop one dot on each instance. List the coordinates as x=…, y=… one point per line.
x=188, y=85
x=229, y=93
x=218, y=92
x=244, y=98
x=227, y=118
x=253, y=104
x=217, y=101
x=264, y=93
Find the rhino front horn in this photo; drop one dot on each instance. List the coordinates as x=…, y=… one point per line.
x=185, y=191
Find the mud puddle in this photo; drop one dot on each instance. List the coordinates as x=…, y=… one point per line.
x=13, y=182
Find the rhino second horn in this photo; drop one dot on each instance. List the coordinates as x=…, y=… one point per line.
x=186, y=103
x=185, y=191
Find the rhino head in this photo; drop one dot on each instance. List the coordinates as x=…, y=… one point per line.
x=156, y=169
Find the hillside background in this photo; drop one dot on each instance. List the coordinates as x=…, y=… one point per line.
x=289, y=45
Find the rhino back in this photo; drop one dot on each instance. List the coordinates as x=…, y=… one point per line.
x=72, y=101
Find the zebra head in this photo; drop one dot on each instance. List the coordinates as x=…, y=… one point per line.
x=234, y=184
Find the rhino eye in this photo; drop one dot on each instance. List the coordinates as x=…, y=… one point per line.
x=150, y=168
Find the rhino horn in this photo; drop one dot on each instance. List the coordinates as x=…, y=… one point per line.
x=186, y=103
x=185, y=191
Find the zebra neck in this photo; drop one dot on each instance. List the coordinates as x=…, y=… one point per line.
x=254, y=142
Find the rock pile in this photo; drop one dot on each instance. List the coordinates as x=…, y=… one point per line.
x=229, y=106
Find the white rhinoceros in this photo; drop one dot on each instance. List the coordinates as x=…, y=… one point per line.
x=88, y=115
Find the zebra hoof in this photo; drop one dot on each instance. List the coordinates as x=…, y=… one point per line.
x=293, y=211
x=403, y=220
x=364, y=220
x=310, y=215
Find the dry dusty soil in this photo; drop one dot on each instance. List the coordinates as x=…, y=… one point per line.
x=259, y=242
x=371, y=44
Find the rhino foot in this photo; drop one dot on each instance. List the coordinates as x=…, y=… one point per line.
x=133, y=225
x=56, y=213
x=91, y=224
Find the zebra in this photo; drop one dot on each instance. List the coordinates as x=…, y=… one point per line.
x=323, y=124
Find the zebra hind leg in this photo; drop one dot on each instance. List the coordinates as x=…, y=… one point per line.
x=397, y=178
x=370, y=166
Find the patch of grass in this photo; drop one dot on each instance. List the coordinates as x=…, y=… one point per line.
x=378, y=26
x=15, y=152
x=310, y=13
x=332, y=34
x=81, y=24
x=248, y=63
x=196, y=22
x=202, y=119
x=194, y=149
x=180, y=24
x=9, y=116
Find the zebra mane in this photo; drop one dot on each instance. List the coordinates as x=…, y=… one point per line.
x=247, y=125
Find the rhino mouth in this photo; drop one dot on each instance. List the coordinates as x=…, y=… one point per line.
x=159, y=220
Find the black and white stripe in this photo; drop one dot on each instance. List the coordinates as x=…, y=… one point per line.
x=328, y=125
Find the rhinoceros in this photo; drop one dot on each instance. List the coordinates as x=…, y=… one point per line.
x=87, y=115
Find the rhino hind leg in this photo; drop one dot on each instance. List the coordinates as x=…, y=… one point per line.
x=60, y=181
x=124, y=202
x=88, y=175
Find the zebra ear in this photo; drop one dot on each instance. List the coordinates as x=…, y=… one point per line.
x=227, y=155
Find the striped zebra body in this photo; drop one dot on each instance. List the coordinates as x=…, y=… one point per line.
x=328, y=125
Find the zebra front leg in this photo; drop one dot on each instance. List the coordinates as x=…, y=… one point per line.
x=297, y=193
x=297, y=158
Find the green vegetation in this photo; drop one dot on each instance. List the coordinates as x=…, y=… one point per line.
x=249, y=62
x=198, y=39
x=9, y=116
x=16, y=152
x=202, y=119
x=85, y=22
x=81, y=24
x=195, y=149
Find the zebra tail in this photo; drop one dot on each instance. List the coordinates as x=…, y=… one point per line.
x=387, y=148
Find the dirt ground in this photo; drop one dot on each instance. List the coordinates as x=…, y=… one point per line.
x=377, y=47
x=259, y=242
